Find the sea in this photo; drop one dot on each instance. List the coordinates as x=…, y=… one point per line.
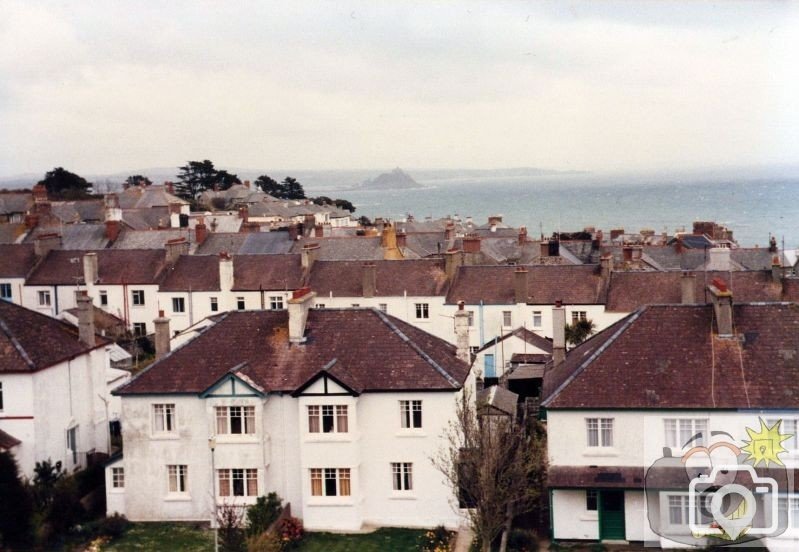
x=754, y=208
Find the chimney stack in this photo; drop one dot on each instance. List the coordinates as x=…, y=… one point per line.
x=174, y=249
x=85, y=318
x=294, y=232
x=558, y=333
x=471, y=243
x=310, y=252
x=520, y=284
x=162, y=337
x=244, y=214
x=31, y=221
x=719, y=259
x=688, y=288
x=369, y=280
x=722, y=306
x=225, y=274
x=46, y=242
x=247, y=184
x=402, y=239
x=300, y=303
x=319, y=231
x=462, y=334
x=606, y=266
x=90, y=269
x=200, y=231
x=522, y=235
x=449, y=231
x=776, y=269
x=615, y=233
x=453, y=259
x=112, y=230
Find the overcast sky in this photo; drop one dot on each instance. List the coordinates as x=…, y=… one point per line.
x=109, y=86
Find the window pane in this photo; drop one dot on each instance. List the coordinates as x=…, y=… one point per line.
x=592, y=425
x=313, y=419
x=330, y=482
x=607, y=432
x=344, y=481
x=249, y=419
x=341, y=419
x=224, y=482
x=316, y=482
x=221, y=420
x=235, y=420
x=252, y=482
x=238, y=482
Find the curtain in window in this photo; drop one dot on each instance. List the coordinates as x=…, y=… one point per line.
x=316, y=482
x=344, y=481
x=313, y=419
x=224, y=482
x=221, y=420
x=341, y=419
x=252, y=482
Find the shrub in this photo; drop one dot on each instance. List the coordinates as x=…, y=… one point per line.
x=229, y=518
x=523, y=540
x=113, y=526
x=263, y=513
x=435, y=540
x=265, y=542
x=16, y=507
x=45, y=476
x=290, y=531
x=65, y=509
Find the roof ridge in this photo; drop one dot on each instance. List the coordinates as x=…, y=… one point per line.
x=581, y=368
x=452, y=381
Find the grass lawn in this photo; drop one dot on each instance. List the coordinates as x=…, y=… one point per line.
x=382, y=540
x=165, y=537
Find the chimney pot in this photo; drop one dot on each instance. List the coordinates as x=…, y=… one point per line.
x=558, y=333
x=310, y=251
x=462, y=334
x=200, y=231
x=722, y=306
x=688, y=288
x=85, y=319
x=453, y=259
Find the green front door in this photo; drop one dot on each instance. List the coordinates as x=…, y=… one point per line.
x=611, y=515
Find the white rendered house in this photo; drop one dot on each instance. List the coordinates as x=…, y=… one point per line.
x=338, y=411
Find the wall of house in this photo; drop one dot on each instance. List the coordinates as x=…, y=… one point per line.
x=16, y=289
x=502, y=352
x=570, y=518
x=17, y=418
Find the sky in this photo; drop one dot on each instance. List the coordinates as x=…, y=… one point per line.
x=100, y=87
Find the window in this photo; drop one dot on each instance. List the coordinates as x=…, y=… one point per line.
x=506, y=319
x=600, y=432
x=470, y=318
x=422, y=311
x=139, y=328
x=383, y=307
x=328, y=418
x=410, y=414
x=355, y=305
x=678, y=510
x=402, y=476
x=474, y=349
x=118, y=478
x=177, y=478
x=163, y=418
x=680, y=431
x=330, y=482
x=44, y=298
x=240, y=303
x=72, y=443
x=787, y=427
x=577, y=316
x=791, y=504
x=319, y=306
x=137, y=296
x=214, y=304
x=235, y=420
x=103, y=298
x=591, y=500
x=537, y=319
x=178, y=304
x=276, y=302
x=5, y=292
x=238, y=482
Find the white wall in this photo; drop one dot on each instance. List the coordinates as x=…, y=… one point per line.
x=503, y=351
x=571, y=520
x=16, y=288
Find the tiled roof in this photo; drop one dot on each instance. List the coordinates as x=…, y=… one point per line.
x=364, y=349
x=30, y=341
x=522, y=333
x=217, y=243
x=630, y=290
x=115, y=266
x=265, y=243
x=344, y=249
x=71, y=212
x=147, y=196
x=17, y=260
x=12, y=232
x=592, y=477
x=7, y=441
x=267, y=272
x=192, y=273
x=15, y=202
x=494, y=285
x=392, y=278
x=669, y=356
x=151, y=239
x=75, y=236
x=499, y=398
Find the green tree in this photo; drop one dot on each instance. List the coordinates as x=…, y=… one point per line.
x=16, y=507
x=268, y=185
x=197, y=176
x=136, y=179
x=62, y=184
x=344, y=204
x=579, y=331
x=292, y=189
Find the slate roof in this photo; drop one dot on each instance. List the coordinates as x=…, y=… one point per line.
x=18, y=260
x=592, y=477
x=12, y=232
x=392, y=278
x=494, y=285
x=74, y=236
x=522, y=333
x=115, y=266
x=265, y=243
x=631, y=290
x=192, y=273
x=217, y=243
x=150, y=239
x=666, y=356
x=15, y=202
x=360, y=248
x=499, y=398
x=364, y=349
x=30, y=341
x=267, y=272
x=147, y=196
x=147, y=218
x=70, y=212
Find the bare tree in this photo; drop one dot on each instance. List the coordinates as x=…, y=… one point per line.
x=496, y=465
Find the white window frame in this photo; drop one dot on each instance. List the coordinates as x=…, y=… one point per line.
x=177, y=479
x=788, y=426
x=599, y=432
x=117, y=478
x=677, y=431
x=422, y=311
x=233, y=475
x=241, y=304
x=140, y=329
x=225, y=415
x=45, y=300
x=319, y=414
x=328, y=474
x=470, y=318
x=179, y=305
x=137, y=297
x=103, y=298
x=214, y=304
x=579, y=315
x=409, y=419
x=164, y=419
x=72, y=438
x=507, y=319
x=538, y=319
x=6, y=291
x=402, y=476
x=276, y=302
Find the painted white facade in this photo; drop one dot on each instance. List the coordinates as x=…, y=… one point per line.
x=15, y=286
x=284, y=451
x=40, y=408
x=500, y=353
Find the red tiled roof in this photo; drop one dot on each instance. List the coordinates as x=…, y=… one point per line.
x=531, y=338
x=267, y=272
x=372, y=352
x=195, y=273
x=392, y=278
x=669, y=356
x=18, y=260
x=593, y=477
x=494, y=285
x=30, y=341
x=115, y=266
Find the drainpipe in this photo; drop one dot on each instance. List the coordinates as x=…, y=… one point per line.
x=55, y=299
x=482, y=330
